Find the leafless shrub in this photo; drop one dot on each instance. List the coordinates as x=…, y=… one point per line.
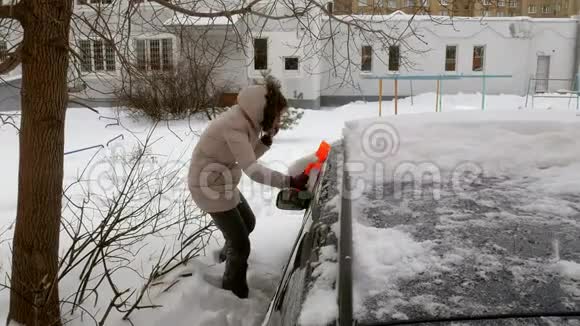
x=177, y=94
x=112, y=213
x=10, y=119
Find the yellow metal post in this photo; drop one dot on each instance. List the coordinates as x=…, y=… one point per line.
x=396, y=96
x=380, y=97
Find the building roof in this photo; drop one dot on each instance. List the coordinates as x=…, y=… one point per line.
x=402, y=16
x=179, y=19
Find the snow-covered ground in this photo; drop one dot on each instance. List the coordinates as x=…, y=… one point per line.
x=196, y=300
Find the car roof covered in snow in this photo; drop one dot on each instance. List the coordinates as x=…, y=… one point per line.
x=470, y=216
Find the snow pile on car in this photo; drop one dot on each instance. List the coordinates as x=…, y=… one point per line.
x=320, y=306
x=464, y=213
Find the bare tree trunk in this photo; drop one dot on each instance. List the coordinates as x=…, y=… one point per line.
x=34, y=293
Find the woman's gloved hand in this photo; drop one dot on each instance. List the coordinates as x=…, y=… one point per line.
x=299, y=181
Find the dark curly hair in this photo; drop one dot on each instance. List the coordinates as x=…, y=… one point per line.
x=275, y=102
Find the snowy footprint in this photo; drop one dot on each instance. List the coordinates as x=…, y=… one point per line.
x=197, y=299
x=212, y=279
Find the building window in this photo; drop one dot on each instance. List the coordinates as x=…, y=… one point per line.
x=394, y=57
x=513, y=3
x=501, y=14
x=546, y=9
x=478, y=58
x=444, y=12
x=487, y=2
x=392, y=4
x=444, y=2
x=167, y=50
x=362, y=3
x=410, y=3
x=329, y=7
x=141, y=57
x=366, y=58
x=291, y=64
x=154, y=54
x=96, y=55
x=3, y=51
x=260, y=53
x=485, y=13
x=451, y=58
x=532, y=9
x=501, y=3
x=558, y=7
x=86, y=55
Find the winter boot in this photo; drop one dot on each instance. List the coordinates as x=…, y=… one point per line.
x=235, y=278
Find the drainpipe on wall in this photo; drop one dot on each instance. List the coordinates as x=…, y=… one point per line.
x=576, y=67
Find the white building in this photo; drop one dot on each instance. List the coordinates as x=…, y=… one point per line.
x=521, y=47
x=323, y=61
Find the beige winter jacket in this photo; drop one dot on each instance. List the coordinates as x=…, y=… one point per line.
x=229, y=145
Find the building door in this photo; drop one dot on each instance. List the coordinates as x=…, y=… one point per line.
x=542, y=73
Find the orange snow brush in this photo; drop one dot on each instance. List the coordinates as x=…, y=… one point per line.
x=321, y=154
x=294, y=199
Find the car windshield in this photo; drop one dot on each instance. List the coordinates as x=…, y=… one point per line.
x=454, y=231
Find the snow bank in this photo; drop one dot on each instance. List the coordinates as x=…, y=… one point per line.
x=199, y=299
x=320, y=306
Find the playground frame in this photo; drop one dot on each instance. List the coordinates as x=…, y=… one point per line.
x=572, y=92
x=439, y=78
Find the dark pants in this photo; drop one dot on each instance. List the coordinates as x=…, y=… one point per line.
x=236, y=226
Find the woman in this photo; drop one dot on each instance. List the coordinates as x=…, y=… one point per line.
x=232, y=144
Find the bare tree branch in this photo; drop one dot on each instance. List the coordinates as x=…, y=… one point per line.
x=8, y=119
x=244, y=10
x=11, y=61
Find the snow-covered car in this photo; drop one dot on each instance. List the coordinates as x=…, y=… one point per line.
x=451, y=219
